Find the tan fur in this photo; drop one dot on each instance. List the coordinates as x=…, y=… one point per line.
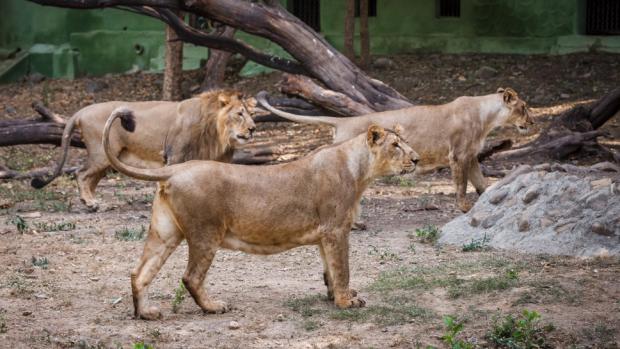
x=206, y=127
x=262, y=210
x=451, y=134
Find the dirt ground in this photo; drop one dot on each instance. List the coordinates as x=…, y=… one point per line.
x=64, y=280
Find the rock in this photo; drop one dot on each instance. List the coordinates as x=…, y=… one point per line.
x=543, y=167
x=474, y=222
x=383, y=63
x=35, y=78
x=497, y=197
x=461, y=78
x=280, y=317
x=10, y=110
x=491, y=220
x=35, y=214
x=27, y=313
x=95, y=86
x=545, y=222
x=531, y=195
x=601, y=229
x=524, y=224
x=598, y=200
x=564, y=96
x=486, y=72
x=601, y=183
x=233, y=325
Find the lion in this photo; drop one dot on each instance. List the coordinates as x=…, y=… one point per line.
x=451, y=134
x=260, y=209
x=206, y=127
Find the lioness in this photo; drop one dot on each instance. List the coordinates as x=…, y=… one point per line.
x=450, y=134
x=206, y=127
x=260, y=209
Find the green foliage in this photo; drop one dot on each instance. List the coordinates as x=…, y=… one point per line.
x=476, y=244
x=20, y=223
x=453, y=328
x=3, y=326
x=179, y=297
x=40, y=262
x=62, y=226
x=428, y=233
x=142, y=345
x=523, y=332
x=399, y=181
x=311, y=325
x=500, y=282
x=384, y=255
x=130, y=234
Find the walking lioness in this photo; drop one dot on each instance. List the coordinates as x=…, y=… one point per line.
x=450, y=134
x=206, y=127
x=260, y=209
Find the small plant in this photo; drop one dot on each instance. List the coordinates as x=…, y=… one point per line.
x=311, y=325
x=384, y=255
x=399, y=181
x=20, y=223
x=476, y=244
x=523, y=332
x=453, y=328
x=142, y=345
x=129, y=234
x=179, y=297
x=3, y=327
x=40, y=262
x=428, y=233
x=62, y=226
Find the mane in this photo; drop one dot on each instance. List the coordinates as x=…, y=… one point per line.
x=209, y=140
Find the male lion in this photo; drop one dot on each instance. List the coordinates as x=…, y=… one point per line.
x=206, y=127
x=260, y=209
x=450, y=134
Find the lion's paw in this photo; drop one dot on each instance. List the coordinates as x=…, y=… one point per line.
x=465, y=206
x=150, y=313
x=216, y=307
x=353, y=302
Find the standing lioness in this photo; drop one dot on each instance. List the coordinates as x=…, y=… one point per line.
x=261, y=209
x=206, y=127
x=450, y=134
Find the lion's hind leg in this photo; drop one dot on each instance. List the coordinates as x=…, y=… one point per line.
x=163, y=238
x=201, y=254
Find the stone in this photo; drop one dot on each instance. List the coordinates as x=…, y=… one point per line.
x=280, y=317
x=486, y=72
x=601, y=183
x=10, y=110
x=497, y=197
x=524, y=224
x=474, y=222
x=543, y=167
x=598, y=200
x=564, y=96
x=545, y=222
x=233, y=325
x=94, y=86
x=601, y=229
x=383, y=63
x=490, y=221
x=531, y=195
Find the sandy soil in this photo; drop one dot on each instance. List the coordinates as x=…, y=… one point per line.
x=64, y=280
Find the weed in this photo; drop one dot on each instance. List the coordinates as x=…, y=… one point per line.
x=311, y=325
x=20, y=223
x=62, y=226
x=476, y=244
x=398, y=181
x=179, y=297
x=18, y=286
x=489, y=284
x=394, y=311
x=384, y=255
x=305, y=305
x=40, y=262
x=155, y=333
x=142, y=345
x=129, y=234
x=3, y=326
x=428, y=233
x=523, y=332
x=453, y=328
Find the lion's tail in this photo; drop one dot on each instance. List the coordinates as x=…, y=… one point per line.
x=128, y=122
x=328, y=120
x=40, y=182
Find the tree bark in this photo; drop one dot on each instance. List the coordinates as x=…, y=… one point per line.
x=174, y=67
x=215, y=70
x=314, y=56
x=349, y=30
x=364, y=35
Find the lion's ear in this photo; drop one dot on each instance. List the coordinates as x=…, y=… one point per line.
x=375, y=135
x=510, y=96
x=224, y=99
x=251, y=102
x=399, y=129
x=500, y=90
x=189, y=107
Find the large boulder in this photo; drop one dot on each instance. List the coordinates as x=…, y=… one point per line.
x=560, y=210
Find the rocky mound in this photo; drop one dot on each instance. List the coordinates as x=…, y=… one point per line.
x=561, y=210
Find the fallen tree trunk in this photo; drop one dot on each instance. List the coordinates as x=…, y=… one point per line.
x=570, y=133
x=313, y=55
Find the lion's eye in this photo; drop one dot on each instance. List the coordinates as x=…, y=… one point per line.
x=396, y=145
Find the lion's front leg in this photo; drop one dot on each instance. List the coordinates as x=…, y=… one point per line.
x=335, y=249
x=459, y=167
x=475, y=176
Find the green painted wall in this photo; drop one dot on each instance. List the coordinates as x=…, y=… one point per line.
x=66, y=43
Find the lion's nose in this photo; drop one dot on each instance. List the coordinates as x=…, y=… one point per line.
x=252, y=129
x=415, y=160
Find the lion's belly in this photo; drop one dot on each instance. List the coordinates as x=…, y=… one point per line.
x=268, y=244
